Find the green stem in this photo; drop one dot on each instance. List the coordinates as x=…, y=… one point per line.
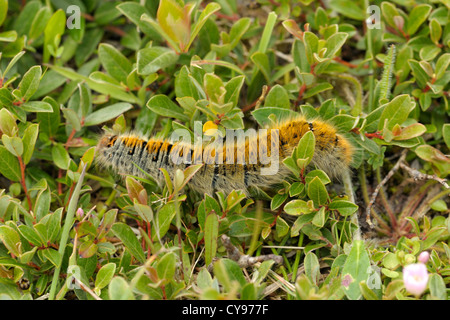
x=363, y=183
x=256, y=229
x=369, y=53
x=349, y=191
x=357, y=108
x=265, y=38
x=106, y=182
x=65, y=233
x=297, y=258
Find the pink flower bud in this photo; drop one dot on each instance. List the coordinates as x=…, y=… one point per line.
x=80, y=213
x=424, y=256
x=415, y=278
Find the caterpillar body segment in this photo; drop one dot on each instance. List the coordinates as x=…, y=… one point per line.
x=333, y=152
x=253, y=161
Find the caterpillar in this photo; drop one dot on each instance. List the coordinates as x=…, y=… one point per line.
x=235, y=166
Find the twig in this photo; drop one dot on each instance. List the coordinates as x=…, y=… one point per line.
x=245, y=260
x=86, y=288
x=22, y=182
x=382, y=183
x=417, y=175
x=257, y=102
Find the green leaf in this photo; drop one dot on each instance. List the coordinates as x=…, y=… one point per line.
x=281, y=227
x=29, y=140
x=305, y=147
x=30, y=234
x=9, y=165
x=30, y=82
x=320, y=87
x=355, y=270
x=39, y=22
x=261, y=115
x=8, y=36
x=412, y=131
x=292, y=27
x=13, y=145
x=317, y=173
x=446, y=134
x=152, y=59
x=417, y=16
x=129, y=239
x=349, y=9
x=214, y=88
x=72, y=118
x=235, y=122
x=52, y=255
x=227, y=272
x=12, y=63
x=164, y=218
x=6, y=99
x=184, y=86
x=42, y=204
x=312, y=267
x=419, y=73
x=88, y=45
x=114, y=62
x=119, y=289
x=52, y=34
x=396, y=112
x=37, y=106
x=206, y=13
x=211, y=235
x=267, y=32
x=297, y=207
x=317, y=192
x=334, y=43
x=442, y=65
x=319, y=218
x=60, y=156
x=296, y=189
x=345, y=208
x=277, y=97
x=11, y=240
x=8, y=123
x=107, y=113
x=437, y=287
x=162, y=105
x=53, y=225
x=85, y=228
x=437, y=159
x=103, y=88
x=134, y=11
x=104, y=276
x=367, y=293
x=261, y=61
x=174, y=22
x=389, y=11
x=278, y=200
x=233, y=89
x=3, y=10
x=50, y=81
x=237, y=31
x=167, y=266
x=432, y=237
x=435, y=31
x=311, y=46
x=106, y=12
x=85, y=99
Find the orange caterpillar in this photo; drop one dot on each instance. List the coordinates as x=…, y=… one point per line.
x=131, y=154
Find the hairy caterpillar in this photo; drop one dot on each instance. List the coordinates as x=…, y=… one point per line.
x=228, y=168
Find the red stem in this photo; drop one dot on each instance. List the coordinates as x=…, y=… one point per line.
x=22, y=181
